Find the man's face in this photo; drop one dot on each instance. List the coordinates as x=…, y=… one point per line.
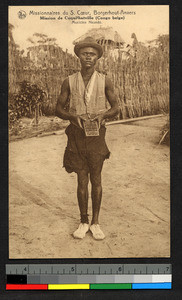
x=88, y=57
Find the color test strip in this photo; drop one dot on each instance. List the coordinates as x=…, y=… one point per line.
x=98, y=286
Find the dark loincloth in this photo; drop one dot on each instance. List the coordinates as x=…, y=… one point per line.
x=84, y=153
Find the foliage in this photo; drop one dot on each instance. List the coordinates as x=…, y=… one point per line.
x=28, y=98
x=12, y=120
x=163, y=42
x=40, y=38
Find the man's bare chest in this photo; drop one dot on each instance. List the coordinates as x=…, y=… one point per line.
x=86, y=79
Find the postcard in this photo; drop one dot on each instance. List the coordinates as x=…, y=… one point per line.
x=104, y=194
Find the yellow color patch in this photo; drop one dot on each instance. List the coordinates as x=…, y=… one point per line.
x=68, y=286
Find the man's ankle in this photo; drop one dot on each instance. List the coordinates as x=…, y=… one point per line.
x=94, y=222
x=84, y=218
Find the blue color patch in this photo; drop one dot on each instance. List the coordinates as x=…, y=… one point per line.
x=144, y=286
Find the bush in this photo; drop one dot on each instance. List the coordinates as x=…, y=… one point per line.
x=13, y=121
x=27, y=99
x=12, y=118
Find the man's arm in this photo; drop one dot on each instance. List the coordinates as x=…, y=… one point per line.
x=62, y=99
x=111, y=97
x=114, y=110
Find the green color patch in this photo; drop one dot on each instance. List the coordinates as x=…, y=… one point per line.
x=111, y=286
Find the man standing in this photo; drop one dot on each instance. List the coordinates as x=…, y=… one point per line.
x=86, y=148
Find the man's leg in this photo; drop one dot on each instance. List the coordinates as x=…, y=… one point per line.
x=96, y=193
x=82, y=194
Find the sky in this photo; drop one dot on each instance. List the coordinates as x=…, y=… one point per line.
x=146, y=21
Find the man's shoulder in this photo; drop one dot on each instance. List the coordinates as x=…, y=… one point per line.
x=99, y=74
x=73, y=75
x=106, y=79
x=66, y=80
x=70, y=78
x=108, y=82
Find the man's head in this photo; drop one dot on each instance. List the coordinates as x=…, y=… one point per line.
x=88, y=42
x=88, y=56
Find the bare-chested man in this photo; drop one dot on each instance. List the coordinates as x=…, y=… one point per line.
x=85, y=153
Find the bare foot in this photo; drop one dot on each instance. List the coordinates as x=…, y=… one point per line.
x=97, y=232
x=81, y=231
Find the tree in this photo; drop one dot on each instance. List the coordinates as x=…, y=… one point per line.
x=41, y=39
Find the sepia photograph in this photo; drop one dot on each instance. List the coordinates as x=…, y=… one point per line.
x=89, y=131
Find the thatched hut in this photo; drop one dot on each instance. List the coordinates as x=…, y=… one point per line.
x=105, y=36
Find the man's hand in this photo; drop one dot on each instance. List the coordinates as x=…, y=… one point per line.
x=99, y=119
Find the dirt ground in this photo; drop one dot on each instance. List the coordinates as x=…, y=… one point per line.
x=135, y=212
